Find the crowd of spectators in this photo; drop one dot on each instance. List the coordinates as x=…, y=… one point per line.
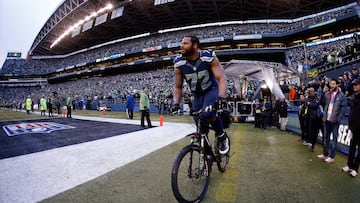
x=116, y=88
x=317, y=55
x=345, y=79
x=50, y=65
x=112, y=89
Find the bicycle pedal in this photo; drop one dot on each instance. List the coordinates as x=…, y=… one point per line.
x=205, y=172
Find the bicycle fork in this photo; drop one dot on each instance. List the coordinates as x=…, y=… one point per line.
x=203, y=162
x=202, y=156
x=201, y=170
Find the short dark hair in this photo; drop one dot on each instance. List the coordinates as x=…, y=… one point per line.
x=336, y=80
x=194, y=40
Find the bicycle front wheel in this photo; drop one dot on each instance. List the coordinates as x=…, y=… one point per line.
x=190, y=180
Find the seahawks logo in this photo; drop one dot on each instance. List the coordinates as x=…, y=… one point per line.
x=34, y=127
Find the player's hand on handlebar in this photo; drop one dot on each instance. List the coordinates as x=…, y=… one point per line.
x=209, y=108
x=221, y=103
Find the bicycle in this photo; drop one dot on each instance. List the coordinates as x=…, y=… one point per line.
x=191, y=170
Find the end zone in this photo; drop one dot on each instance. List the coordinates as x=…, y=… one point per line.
x=37, y=176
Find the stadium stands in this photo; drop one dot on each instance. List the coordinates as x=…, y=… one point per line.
x=114, y=88
x=47, y=65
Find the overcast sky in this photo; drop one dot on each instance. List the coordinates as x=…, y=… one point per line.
x=20, y=22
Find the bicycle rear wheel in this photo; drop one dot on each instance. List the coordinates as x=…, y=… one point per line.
x=189, y=183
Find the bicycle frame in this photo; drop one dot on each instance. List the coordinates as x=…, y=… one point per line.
x=200, y=156
x=202, y=140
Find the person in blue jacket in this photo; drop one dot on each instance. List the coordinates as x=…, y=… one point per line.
x=130, y=106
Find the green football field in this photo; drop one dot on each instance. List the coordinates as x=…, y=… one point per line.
x=266, y=166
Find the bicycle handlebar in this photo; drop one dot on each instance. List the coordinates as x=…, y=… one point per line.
x=202, y=110
x=207, y=109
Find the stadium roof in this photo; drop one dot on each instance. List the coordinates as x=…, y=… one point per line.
x=142, y=16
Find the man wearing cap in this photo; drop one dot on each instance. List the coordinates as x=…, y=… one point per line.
x=334, y=108
x=354, y=125
x=314, y=118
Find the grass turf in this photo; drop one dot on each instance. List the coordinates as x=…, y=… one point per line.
x=266, y=166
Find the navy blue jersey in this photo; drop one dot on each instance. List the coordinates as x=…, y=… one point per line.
x=198, y=73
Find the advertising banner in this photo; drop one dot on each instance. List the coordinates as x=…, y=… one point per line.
x=343, y=137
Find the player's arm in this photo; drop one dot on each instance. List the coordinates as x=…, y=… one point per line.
x=177, y=86
x=220, y=76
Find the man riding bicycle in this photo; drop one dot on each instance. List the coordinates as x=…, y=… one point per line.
x=206, y=78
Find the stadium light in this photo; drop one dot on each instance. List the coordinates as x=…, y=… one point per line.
x=110, y=6
x=81, y=22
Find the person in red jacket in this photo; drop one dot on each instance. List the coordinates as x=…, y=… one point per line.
x=292, y=93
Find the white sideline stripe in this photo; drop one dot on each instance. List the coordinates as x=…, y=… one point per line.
x=37, y=176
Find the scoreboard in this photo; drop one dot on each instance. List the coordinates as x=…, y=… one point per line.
x=159, y=2
x=14, y=54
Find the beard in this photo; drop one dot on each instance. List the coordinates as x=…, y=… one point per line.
x=189, y=52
